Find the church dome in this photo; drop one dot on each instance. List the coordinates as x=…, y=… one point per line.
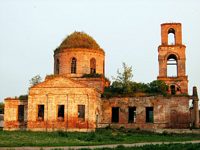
x=79, y=40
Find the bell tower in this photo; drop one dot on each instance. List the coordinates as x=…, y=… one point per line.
x=171, y=57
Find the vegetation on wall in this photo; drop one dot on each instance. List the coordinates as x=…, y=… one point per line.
x=23, y=97
x=124, y=86
x=35, y=80
x=79, y=40
x=92, y=75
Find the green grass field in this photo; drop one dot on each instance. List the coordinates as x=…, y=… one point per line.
x=103, y=136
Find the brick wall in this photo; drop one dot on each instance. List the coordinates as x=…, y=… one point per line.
x=172, y=112
x=11, y=121
x=62, y=91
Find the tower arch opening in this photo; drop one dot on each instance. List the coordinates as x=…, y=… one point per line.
x=171, y=36
x=73, y=65
x=172, y=66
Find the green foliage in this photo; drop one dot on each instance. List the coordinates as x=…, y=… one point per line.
x=92, y=75
x=124, y=86
x=35, y=80
x=101, y=136
x=23, y=97
x=1, y=107
x=155, y=87
x=79, y=40
x=158, y=86
x=123, y=79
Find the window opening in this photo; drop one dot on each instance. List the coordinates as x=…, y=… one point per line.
x=57, y=66
x=149, y=115
x=81, y=112
x=131, y=114
x=61, y=112
x=40, y=112
x=73, y=65
x=115, y=114
x=92, y=66
x=20, y=113
x=172, y=66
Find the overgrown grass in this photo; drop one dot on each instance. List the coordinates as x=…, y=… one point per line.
x=103, y=136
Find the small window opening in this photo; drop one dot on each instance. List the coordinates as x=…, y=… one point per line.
x=172, y=66
x=131, y=114
x=191, y=103
x=73, y=65
x=40, y=112
x=57, y=66
x=92, y=66
x=171, y=36
x=81, y=112
x=21, y=113
x=149, y=114
x=115, y=114
x=173, y=89
x=61, y=112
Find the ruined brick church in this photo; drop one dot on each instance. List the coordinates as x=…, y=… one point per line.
x=70, y=100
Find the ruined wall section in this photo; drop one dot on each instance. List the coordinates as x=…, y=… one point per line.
x=168, y=112
x=11, y=118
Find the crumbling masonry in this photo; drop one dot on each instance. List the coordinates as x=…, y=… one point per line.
x=70, y=101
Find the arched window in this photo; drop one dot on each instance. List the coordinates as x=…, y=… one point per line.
x=57, y=66
x=73, y=65
x=171, y=36
x=92, y=66
x=172, y=66
x=173, y=89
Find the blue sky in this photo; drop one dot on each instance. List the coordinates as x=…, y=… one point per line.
x=128, y=31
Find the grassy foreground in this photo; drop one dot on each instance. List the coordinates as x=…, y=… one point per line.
x=103, y=136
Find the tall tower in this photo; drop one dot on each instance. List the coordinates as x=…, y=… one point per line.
x=171, y=57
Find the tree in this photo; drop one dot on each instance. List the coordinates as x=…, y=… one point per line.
x=123, y=80
x=35, y=80
x=158, y=86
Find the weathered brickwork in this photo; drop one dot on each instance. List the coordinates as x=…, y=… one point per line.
x=11, y=119
x=83, y=57
x=62, y=91
x=70, y=102
x=97, y=83
x=172, y=51
x=171, y=112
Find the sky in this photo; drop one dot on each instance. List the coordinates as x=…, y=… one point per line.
x=127, y=30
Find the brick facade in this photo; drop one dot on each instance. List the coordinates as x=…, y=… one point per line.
x=11, y=118
x=168, y=112
x=70, y=102
x=67, y=92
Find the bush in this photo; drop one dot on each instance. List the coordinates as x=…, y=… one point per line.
x=79, y=40
x=92, y=75
x=136, y=89
x=23, y=97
